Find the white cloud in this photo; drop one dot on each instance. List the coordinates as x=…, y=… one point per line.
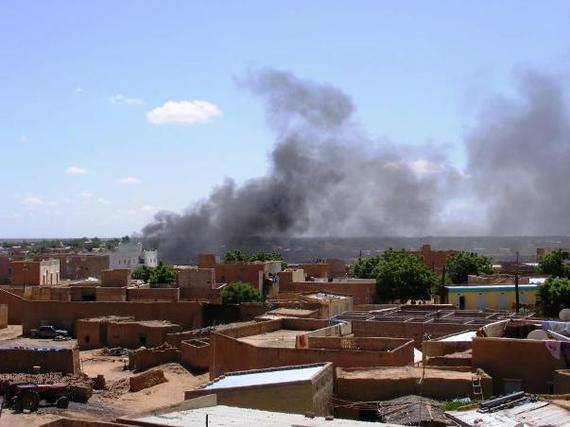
x=129, y=180
x=183, y=113
x=103, y=201
x=78, y=89
x=23, y=139
x=76, y=170
x=86, y=194
x=125, y=100
x=149, y=208
x=423, y=166
x=32, y=201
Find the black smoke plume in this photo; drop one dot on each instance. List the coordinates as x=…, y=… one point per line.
x=328, y=178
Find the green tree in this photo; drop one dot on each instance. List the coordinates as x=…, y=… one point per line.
x=364, y=267
x=552, y=264
x=554, y=295
x=462, y=264
x=237, y=292
x=162, y=274
x=235, y=255
x=142, y=273
x=402, y=276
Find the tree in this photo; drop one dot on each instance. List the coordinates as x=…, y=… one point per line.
x=142, y=273
x=402, y=276
x=237, y=292
x=162, y=274
x=364, y=267
x=235, y=255
x=552, y=264
x=462, y=264
x=554, y=295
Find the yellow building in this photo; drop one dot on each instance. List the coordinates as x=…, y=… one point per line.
x=490, y=297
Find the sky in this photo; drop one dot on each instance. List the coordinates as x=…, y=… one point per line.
x=112, y=111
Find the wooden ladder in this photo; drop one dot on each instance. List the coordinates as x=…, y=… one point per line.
x=477, y=389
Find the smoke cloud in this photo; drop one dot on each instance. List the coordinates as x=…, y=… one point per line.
x=328, y=178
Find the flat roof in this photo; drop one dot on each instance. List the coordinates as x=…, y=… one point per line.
x=281, y=338
x=221, y=415
x=491, y=288
x=465, y=336
x=265, y=376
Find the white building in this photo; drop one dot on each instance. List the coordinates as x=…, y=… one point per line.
x=132, y=255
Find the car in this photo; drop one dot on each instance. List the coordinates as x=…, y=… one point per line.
x=48, y=331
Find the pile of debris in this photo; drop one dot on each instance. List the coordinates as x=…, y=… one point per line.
x=80, y=386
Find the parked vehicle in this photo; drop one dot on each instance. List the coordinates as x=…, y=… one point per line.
x=28, y=396
x=48, y=331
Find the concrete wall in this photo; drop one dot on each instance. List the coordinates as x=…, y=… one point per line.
x=517, y=359
x=119, y=278
x=64, y=314
x=153, y=294
x=3, y=316
x=65, y=360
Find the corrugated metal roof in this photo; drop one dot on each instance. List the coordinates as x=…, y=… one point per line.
x=529, y=414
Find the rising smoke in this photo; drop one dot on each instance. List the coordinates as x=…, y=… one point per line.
x=328, y=178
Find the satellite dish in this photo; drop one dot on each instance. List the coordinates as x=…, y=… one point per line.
x=537, y=334
x=565, y=314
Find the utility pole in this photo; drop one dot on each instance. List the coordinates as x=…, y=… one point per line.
x=517, y=292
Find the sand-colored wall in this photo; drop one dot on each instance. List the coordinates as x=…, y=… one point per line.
x=527, y=360
x=118, y=278
x=65, y=360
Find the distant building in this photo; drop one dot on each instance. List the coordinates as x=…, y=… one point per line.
x=132, y=255
x=81, y=266
x=434, y=260
x=35, y=273
x=491, y=296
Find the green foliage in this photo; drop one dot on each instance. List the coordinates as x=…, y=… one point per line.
x=142, y=273
x=554, y=295
x=402, y=276
x=462, y=264
x=364, y=267
x=237, y=292
x=237, y=255
x=453, y=405
x=162, y=274
x=552, y=264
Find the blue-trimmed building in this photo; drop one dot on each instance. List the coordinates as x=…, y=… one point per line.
x=490, y=297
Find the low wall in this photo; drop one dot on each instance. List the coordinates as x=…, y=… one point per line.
x=143, y=359
x=415, y=330
x=351, y=343
x=361, y=293
x=110, y=294
x=153, y=294
x=196, y=354
x=225, y=349
x=441, y=348
x=16, y=360
x=435, y=384
x=3, y=316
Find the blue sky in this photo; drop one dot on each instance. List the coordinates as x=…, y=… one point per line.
x=78, y=80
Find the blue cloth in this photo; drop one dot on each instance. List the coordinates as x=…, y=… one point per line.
x=560, y=327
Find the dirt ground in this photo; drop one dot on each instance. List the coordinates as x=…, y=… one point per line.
x=116, y=401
